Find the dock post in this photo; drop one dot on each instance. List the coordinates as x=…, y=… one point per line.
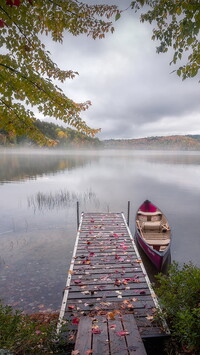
x=128, y=213
x=77, y=212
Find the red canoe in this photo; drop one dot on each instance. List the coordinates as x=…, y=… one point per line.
x=153, y=233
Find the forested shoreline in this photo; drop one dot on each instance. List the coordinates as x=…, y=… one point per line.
x=61, y=137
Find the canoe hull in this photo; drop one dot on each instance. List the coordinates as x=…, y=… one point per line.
x=158, y=259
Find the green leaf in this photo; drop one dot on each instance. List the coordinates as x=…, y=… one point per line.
x=117, y=16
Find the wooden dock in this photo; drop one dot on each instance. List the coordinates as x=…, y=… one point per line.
x=108, y=300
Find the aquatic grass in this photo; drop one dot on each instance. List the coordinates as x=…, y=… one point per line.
x=60, y=199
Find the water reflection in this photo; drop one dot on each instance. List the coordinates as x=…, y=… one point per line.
x=18, y=166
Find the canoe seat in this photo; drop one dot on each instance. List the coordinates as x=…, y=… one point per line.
x=153, y=235
x=157, y=213
x=149, y=216
x=158, y=242
x=151, y=226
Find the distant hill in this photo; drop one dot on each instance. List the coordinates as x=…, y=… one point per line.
x=188, y=142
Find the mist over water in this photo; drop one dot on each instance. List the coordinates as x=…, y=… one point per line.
x=38, y=195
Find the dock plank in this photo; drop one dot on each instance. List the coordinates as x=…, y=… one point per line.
x=100, y=344
x=84, y=336
x=133, y=338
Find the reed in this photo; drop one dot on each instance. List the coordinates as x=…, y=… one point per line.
x=61, y=199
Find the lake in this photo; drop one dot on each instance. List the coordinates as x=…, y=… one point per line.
x=39, y=191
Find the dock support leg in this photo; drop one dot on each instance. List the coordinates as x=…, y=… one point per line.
x=77, y=212
x=128, y=213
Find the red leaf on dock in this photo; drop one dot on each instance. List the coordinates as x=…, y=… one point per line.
x=96, y=331
x=71, y=306
x=75, y=321
x=77, y=281
x=123, y=333
x=142, y=292
x=92, y=254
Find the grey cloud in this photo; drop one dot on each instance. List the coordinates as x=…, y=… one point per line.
x=130, y=86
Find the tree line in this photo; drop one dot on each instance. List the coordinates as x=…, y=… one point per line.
x=56, y=136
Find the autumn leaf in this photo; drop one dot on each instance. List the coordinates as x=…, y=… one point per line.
x=111, y=315
x=75, y=352
x=134, y=299
x=92, y=254
x=123, y=333
x=71, y=306
x=148, y=317
x=126, y=301
x=89, y=352
x=75, y=321
x=96, y=331
x=142, y=292
x=77, y=281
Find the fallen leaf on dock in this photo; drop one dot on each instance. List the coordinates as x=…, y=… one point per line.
x=126, y=301
x=134, y=299
x=92, y=254
x=77, y=281
x=89, y=352
x=75, y=352
x=123, y=333
x=148, y=317
x=71, y=306
x=119, y=292
x=75, y=321
x=142, y=292
x=96, y=331
x=85, y=292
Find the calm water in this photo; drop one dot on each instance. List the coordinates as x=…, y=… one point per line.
x=38, y=194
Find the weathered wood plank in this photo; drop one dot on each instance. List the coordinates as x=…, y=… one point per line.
x=100, y=342
x=118, y=344
x=84, y=335
x=133, y=338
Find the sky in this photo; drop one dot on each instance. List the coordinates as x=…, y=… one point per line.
x=133, y=91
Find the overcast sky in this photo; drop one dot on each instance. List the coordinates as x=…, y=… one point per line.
x=131, y=87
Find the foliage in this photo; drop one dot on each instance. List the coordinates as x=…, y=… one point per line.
x=28, y=333
x=180, y=298
x=27, y=73
x=64, y=137
x=178, y=26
